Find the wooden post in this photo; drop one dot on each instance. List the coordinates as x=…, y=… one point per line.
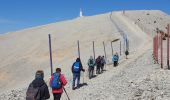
x=94, y=51
x=50, y=50
x=168, y=46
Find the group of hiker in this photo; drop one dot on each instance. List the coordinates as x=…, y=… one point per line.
x=99, y=63
x=38, y=89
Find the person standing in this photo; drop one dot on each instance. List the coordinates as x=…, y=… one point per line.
x=57, y=83
x=76, y=69
x=115, y=59
x=98, y=64
x=38, y=89
x=103, y=62
x=91, y=64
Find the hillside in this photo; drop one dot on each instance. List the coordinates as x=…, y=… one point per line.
x=25, y=51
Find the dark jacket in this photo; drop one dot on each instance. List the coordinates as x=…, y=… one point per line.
x=44, y=92
x=81, y=67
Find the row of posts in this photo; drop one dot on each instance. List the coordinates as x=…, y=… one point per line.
x=78, y=45
x=158, y=44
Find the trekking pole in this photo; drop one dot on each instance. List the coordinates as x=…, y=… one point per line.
x=50, y=49
x=66, y=93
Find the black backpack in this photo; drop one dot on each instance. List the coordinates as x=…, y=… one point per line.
x=33, y=93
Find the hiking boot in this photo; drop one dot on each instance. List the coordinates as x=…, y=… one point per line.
x=73, y=88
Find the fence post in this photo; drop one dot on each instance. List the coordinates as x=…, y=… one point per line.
x=50, y=50
x=168, y=46
x=78, y=49
x=112, y=51
x=93, y=51
x=161, y=50
x=120, y=48
x=104, y=50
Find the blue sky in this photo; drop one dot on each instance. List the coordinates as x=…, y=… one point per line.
x=20, y=14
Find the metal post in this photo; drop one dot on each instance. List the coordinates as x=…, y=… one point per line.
x=93, y=51
x=50, y=49
x=157, y=43
x=120, y=48
x=104, y=50
x=154, y=48
x=78, y=49
x=168, y=46
x=112, y=52
x=161, y=50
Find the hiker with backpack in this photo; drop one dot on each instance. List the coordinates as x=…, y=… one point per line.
x=57, y=83
x=98, y=64
x=91, y=64
x=103, y=62
x=115, y=59
x=38, y=89
x=76, y=69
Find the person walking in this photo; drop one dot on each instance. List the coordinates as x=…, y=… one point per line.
x=126, y=53
x=76, y=69
x=38, y=89
x=115, y=59
x=103, y=62
x=91, y=64
x=98, y=64
x=57, y=83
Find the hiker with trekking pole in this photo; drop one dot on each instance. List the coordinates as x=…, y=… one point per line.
x=57, y=83
x=76, y=69
x=91, y=64
x=57, y=80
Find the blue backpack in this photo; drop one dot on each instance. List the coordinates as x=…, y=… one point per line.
x=55, y=83
x=76, y=67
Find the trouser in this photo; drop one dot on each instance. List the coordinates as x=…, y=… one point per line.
x=91, y=70
x=102, y=67
x=115, y=63
x=57, y=96
x=98, y=69
x=76, y=76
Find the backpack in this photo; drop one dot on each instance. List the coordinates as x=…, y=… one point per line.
x=91, y=63
x=76, y=67
x=56, y=83
x=33, y=93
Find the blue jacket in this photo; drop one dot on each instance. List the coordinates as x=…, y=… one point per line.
x=115, y=58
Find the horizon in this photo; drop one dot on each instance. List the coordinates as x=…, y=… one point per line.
x=19, y=15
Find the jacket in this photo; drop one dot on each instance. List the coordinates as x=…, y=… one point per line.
x=63, y=83
x=91, y=64
x=44, y=92
x=81, y=67
x=115, y=58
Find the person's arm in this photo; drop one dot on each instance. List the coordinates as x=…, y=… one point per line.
x=88, y=63
x=47, y=94
x=81, y=67
x=72, y=67
x=63, y=80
